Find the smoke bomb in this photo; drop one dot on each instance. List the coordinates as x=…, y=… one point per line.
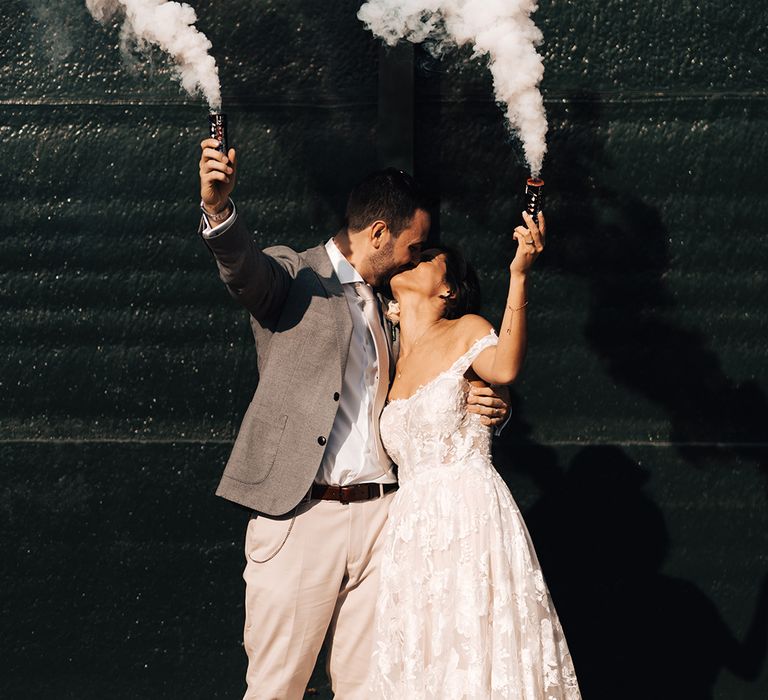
x=534, y=197
x=217, y=127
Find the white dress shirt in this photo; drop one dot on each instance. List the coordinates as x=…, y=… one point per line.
x=350, y=456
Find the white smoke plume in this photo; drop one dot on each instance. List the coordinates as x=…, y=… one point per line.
x=500, y=29
x=170, y=26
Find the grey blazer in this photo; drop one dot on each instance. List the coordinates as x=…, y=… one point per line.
x=302, y=329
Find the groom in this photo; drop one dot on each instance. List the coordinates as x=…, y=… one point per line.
x=308, y=459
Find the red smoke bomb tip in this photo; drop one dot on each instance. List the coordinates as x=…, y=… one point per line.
x=534, y=196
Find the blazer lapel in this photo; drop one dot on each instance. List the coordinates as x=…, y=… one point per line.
x=317, y=258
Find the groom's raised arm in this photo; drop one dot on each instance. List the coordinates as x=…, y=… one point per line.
x=258, y=281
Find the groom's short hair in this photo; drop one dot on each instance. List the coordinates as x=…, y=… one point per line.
x=390, y=195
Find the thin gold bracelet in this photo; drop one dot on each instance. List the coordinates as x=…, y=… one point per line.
x=509, y=330
x=518, y=308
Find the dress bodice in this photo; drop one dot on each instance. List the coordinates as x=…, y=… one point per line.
x=431, y=429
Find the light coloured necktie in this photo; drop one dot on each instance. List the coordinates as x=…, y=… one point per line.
x=373, y=318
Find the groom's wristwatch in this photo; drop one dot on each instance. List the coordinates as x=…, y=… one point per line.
x=219, y=216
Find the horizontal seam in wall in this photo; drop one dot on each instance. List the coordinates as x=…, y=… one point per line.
x=619, y=97
x=197, y=107
x=553, y=98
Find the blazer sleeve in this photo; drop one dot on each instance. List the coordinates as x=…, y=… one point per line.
x=258, y=281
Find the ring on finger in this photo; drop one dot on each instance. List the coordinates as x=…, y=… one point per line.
x=531, y=242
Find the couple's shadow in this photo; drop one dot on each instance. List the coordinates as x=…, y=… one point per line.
x=634, y=632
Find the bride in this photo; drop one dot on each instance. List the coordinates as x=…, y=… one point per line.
x=463, y=610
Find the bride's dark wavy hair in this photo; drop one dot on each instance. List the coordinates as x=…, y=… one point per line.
x=462, y=280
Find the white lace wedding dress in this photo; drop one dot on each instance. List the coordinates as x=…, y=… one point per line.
x=463, y=610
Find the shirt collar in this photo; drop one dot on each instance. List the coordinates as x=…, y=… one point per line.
x=341, y=266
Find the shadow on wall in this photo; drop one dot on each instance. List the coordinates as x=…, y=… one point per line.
x=618, y=244
x=633, y=631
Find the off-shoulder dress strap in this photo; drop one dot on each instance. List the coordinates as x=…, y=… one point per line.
x=463, y=363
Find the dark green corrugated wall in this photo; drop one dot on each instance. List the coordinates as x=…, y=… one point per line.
x=639, y=446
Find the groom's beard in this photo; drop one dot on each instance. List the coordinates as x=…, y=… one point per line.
x=381, y=263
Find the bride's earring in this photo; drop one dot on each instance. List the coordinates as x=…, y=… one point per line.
x=447, y=295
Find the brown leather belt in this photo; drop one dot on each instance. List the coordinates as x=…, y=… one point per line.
x=348, y=494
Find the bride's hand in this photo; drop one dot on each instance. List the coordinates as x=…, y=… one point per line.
x=530, y=243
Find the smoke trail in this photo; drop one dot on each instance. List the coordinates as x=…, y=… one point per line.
x=501, y=29
x=169, y=25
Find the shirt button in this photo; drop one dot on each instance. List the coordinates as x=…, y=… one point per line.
x=336, y=396
x=321, y=440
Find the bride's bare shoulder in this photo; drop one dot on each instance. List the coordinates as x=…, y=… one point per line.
x=470, y=328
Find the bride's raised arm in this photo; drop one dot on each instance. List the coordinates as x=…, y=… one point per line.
x=502, y=363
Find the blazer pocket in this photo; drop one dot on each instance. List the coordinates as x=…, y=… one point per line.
x=256, y=447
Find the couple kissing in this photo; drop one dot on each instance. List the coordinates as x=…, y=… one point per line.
x=379, y=525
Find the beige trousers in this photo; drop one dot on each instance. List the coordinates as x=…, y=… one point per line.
x=321, y=585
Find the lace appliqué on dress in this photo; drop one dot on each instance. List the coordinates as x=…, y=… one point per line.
x=463, y=611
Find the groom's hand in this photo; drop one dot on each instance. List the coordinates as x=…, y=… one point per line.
x=217, y=176
x=492, y=406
